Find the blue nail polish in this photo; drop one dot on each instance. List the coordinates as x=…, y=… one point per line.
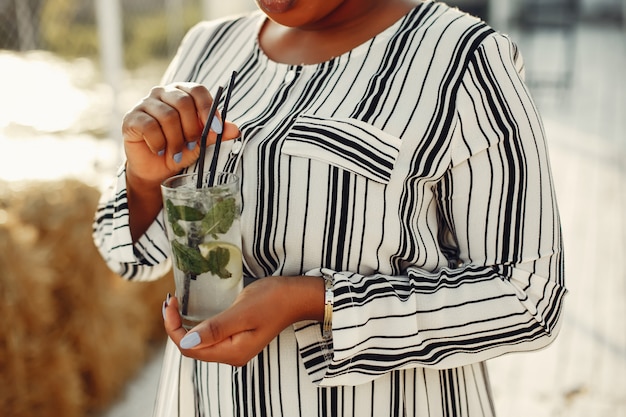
x=191, y=145
x=190, y=340
x=216, y=125
x=161, y=152
x=178, y=157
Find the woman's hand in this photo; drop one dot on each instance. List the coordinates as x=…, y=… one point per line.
x=162, y=132
x=161, y=137
x=262, y=310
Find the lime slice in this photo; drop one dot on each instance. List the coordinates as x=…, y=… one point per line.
x=232, y=263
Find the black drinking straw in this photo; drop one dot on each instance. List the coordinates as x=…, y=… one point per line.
x=205, y=133
x=191, y=243
x=218, y=141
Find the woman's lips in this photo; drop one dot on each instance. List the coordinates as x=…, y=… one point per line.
x=275, y=6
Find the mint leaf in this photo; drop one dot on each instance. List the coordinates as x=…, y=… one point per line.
x=186, y=213
x=178, y=229
x=189, y=260
x=172, y=213
x=217, y=259
x=219, y=218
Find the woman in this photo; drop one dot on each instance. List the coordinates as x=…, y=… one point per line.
x=387, y=147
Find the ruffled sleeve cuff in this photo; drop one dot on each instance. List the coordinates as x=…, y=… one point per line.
x=148, y=258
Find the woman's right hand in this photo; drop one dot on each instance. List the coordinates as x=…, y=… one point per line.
x=161, y=137
x=162, y=132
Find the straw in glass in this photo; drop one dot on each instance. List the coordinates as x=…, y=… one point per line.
x=205, y=133
x=218, y=141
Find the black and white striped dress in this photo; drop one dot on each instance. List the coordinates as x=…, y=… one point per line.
x=414, y=169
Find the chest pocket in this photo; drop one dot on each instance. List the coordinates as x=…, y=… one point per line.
x=346, y=143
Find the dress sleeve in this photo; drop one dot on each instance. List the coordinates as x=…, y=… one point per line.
x=503, y=288
x=148, y=258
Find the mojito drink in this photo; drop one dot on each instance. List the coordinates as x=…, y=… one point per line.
x=203, y=226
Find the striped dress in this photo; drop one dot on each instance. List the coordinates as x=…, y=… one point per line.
x=414, y=170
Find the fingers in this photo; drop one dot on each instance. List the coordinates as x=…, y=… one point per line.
x=172, y=320
x=203, y=106
x=231, y=131
x=222, y=338
x=170, y=120
x=205, y=334
x=185, y=114
x=239, y=333
x=202, y=103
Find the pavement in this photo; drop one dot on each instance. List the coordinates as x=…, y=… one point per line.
x=583, y=373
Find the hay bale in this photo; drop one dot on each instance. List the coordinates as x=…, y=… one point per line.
x=73, y=332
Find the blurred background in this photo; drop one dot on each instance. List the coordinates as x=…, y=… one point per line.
x=77, y=341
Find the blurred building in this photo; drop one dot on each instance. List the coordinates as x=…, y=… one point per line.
x=504, y=13
x=38, y=24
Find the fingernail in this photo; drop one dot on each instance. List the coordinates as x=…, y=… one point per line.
x=165, y=304
x=178, y=157
x=190, y=340
x=161, y=152
x=216, y=125
x=191, y=145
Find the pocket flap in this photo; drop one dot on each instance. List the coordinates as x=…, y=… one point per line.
x=346, y=143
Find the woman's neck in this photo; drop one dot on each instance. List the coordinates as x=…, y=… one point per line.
x=320, y=43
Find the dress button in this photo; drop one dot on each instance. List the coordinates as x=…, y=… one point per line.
x=236, y=147
x=290, y=76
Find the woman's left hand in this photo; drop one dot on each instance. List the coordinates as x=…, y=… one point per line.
x=262, y=310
